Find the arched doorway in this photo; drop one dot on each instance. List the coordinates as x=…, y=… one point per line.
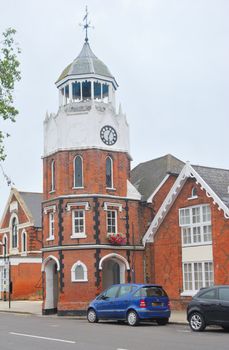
x=51, y=267
x=113, y=268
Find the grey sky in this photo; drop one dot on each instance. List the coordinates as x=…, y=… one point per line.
x=169, y=57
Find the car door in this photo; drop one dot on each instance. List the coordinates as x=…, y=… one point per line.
x=105, y=303
x=224, y=304
x=120, y=304
x=209, y=304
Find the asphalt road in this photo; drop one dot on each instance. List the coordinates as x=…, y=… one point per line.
x=26, y=332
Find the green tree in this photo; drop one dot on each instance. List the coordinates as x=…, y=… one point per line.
x=9, y=74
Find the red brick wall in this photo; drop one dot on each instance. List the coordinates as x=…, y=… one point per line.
x=77, y=295
x=220, y=236
x=166, y=251
x=94, y=172
x=27, y=282
x=26, y=277
x=162, y=193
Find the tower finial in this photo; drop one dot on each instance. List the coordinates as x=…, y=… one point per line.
x=86, y=25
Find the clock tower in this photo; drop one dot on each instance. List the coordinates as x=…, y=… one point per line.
x=91, y=236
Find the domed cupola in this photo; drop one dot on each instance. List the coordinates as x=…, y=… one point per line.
x=86, y=63
x=87, y=116
x=86, y=78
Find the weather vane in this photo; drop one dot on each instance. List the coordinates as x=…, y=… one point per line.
x=86, y=25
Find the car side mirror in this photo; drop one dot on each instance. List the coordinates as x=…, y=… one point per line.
x=104, y=297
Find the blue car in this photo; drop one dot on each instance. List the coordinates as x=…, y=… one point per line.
x=132, y=303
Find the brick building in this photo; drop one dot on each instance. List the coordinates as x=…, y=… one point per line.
x=103, y=225
x=20, y=254
x=163, y=222
x=189, y=235
x=92, y=222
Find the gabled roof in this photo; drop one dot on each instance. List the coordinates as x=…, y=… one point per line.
x=30, y=203
x=217, y=179
x=147, y=176
x=33, y=202
x=207, y=179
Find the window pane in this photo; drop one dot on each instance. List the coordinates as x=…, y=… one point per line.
x=207, y=231
x=109, y=172
x=51, y=224
x=76, y=91
x=79, y=272
x=86, y=89
x=14, y=233
x=208, y=268
x=53, y=176
x=111, y=221
x=186, y=233
x=187, y=276
x=184, y=217
x=67, y=91
x=78, y=180
x=112, y=292
x=196, y=234
x=79, y=221
x=211, y=294
x=105, y=90
x=97, y=91
x=224, y=294
x=196, y=215
x=124, y=290
x=206, y=213
x=198, y=276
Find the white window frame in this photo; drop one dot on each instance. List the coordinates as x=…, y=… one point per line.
x=74, y=177
x=5, y=247
x=112, y=173
x=13, y=249
x=78, y=234
x=51, y=222
x=73, y=276
x=195, y=226
x=116, y=221
x=53, y=176
x=191, y=292
x=24, y=234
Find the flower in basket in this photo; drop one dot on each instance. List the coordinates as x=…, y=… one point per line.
x=117, y=238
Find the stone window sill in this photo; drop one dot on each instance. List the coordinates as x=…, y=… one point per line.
x=79, y=236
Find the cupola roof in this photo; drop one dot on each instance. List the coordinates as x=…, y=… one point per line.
x=86, y=63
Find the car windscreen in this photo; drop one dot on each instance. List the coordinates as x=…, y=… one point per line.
x=152, y=291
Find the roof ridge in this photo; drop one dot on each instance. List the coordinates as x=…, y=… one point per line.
x=30, y=192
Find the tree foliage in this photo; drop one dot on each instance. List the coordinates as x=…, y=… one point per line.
x=9, y=74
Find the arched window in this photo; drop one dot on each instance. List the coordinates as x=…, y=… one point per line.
x=5, y=245
x=14, y=233
x=194, y=192
x=78, y=171
x=23, y=242
x=79, y=272
x=109, y=172
x=53, y=175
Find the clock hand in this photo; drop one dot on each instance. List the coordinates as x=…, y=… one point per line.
x=109, y=135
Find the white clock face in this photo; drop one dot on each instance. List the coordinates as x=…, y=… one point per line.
x=108, y=135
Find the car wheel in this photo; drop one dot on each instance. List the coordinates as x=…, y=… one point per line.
x=162, y=321
x=91, y=316
x=132, y=318
x=196, y=322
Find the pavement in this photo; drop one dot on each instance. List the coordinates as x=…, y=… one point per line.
x=34, y=308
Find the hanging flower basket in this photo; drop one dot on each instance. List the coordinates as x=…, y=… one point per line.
x=117, y=238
